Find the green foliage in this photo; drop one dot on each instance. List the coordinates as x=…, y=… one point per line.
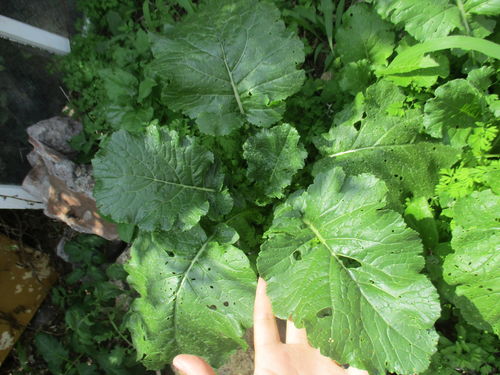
x=365, y=259
x=421, y=19
x=95, y=339
x=385, y=144
x=200, y=301
x=220, y=65
x=427, y=20
x=396, y=108
x=475, y=265
x=469, y=193
x=484, y=7
x=364, y=35
x=480, y=167
x=274, y=156
x=52, y=351
x=419, y=215
x=454, y=112
x=470, y=351
x=152, y=167
x=414, y=59
x=111, y=83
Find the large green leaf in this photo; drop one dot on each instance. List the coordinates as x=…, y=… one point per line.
x=157, y=180
x=196, y=296
x=230, y=61
x=454, y=111
x=274, y=156
x=422, y=19
x=432, y=68
x=484, y=7
x=364, y=35
x=428, y=20
x=388, y=144
x=413, y=58
x=431, y=19
x=474, y=267
x=347, y=269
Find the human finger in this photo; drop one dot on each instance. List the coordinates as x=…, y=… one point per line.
x=295, y=335
x=189, y=364
x=354, y=371
x=265, y=330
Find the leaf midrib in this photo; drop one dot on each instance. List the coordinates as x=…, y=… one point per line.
x=231, y=80
x=367, y=148
x=183, y=280
x=178, y=184
x=322, y=240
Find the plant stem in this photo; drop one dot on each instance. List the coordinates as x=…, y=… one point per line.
x=118, y=331
x=460, y=6
x=73, y=364
x=233, y=85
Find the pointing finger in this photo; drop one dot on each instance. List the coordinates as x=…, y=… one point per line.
x=265, y=328
x=295, y=335
x=355, y=371
x=192, y=365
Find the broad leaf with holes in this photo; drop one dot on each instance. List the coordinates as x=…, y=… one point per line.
x=274, y=156
x=348, y=270
x=231, y=61
x=388, y=144
x=158, y=180
x=474, y=267
x=196, y=295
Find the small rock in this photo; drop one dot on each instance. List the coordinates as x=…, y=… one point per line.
x=64, y=186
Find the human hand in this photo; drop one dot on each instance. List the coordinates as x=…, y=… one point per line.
x=272, y=357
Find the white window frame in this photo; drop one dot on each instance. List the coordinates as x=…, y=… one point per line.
x=23, y=33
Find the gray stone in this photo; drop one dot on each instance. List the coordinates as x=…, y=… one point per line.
x=64, y=186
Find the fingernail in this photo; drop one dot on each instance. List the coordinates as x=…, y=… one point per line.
x=178, y=363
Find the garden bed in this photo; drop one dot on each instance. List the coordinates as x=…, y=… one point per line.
x=346, y=152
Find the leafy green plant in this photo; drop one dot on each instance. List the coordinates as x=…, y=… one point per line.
x=472, y=267
x=471, y=351
x=360, y=187
x=365, y=260
x=108, y=75
x=95, y=339
x=229, y=71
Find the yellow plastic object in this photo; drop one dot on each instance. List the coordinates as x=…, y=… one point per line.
x=25, y=280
